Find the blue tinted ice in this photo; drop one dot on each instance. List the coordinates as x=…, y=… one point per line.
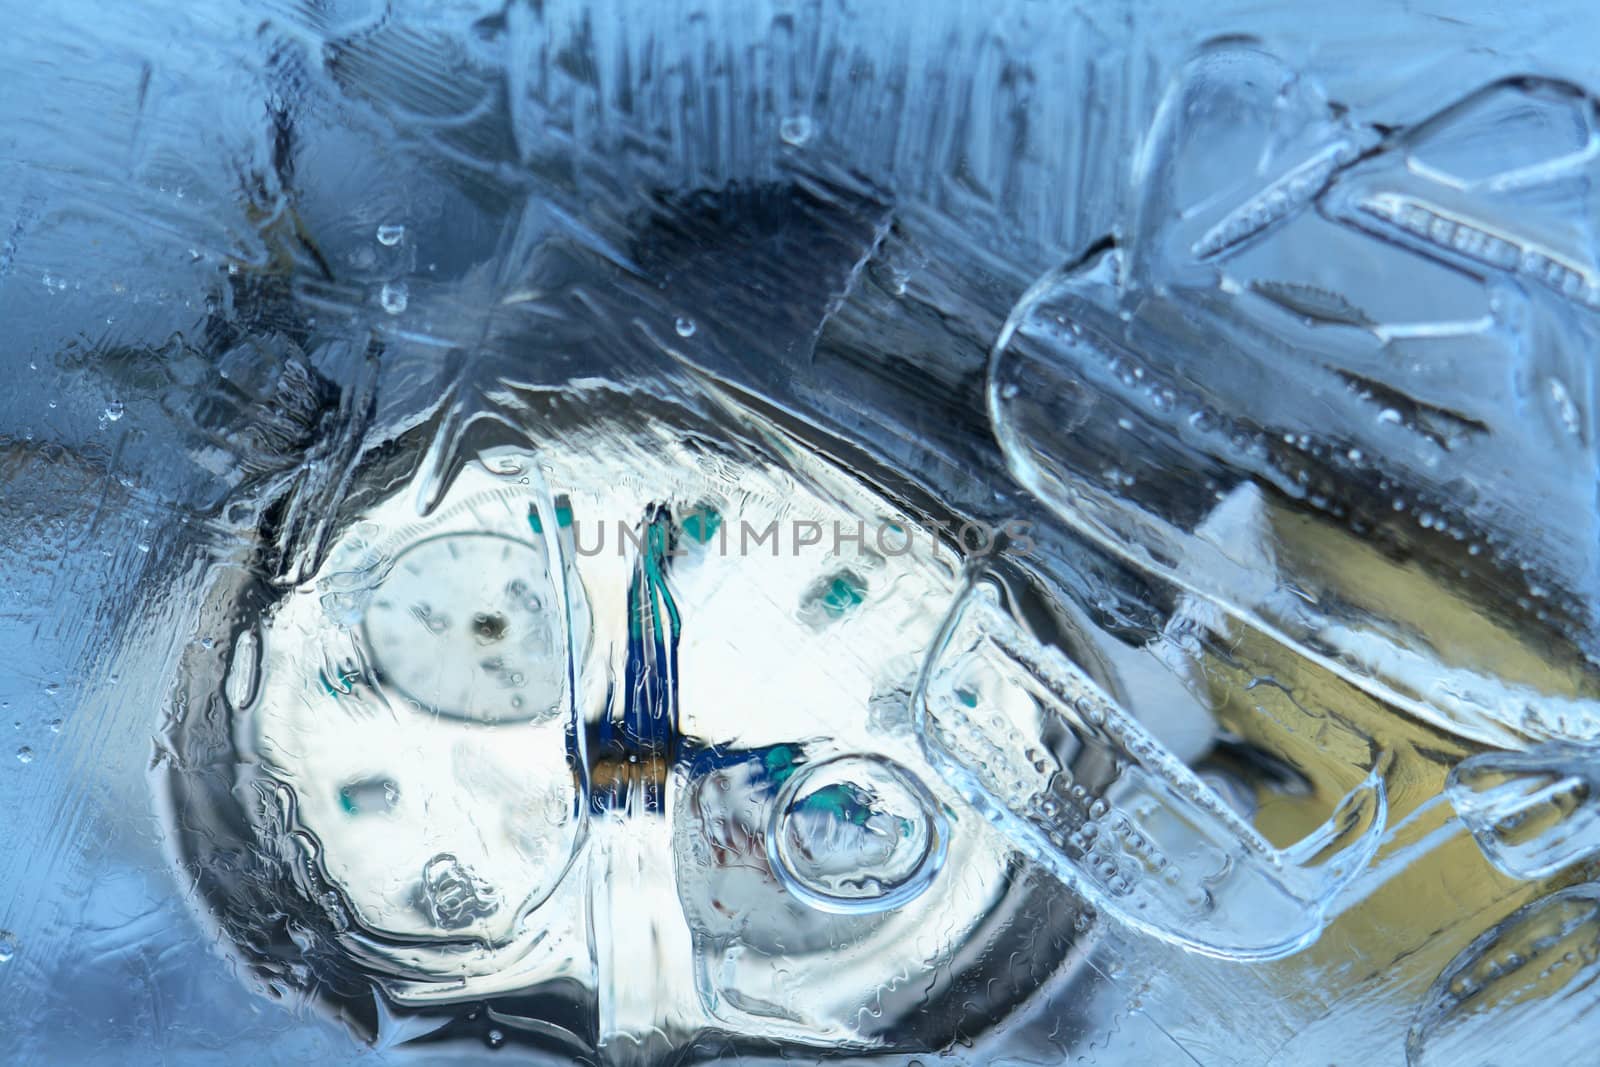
x=641, y=534
x=1318, y=377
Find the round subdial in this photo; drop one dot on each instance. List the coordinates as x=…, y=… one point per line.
x=469, y=625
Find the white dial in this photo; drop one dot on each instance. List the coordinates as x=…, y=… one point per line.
x=468, y=625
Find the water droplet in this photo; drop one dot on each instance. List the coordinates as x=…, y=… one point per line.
x=496, y=1038
x=391, y=234
x=113, y=411
x=24, y=754
x=394, y=297
x=8, y=946
x=685, y=327
x=243, y=670
x=796, y=130
x=55, y=726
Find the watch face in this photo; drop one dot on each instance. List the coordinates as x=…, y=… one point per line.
x=414, y=705
x=467, y=625
x=619, y=707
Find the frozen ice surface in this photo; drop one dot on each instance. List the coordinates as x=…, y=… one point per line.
x=643, y=533
x=1527, y=974
x=1150, y=843
x=1532, y=811
x=1318, y=444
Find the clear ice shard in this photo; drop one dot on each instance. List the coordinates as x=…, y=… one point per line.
x=1076, y=782
x=1335, y=380
x=1533, y=813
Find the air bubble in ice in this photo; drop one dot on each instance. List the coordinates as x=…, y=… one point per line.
x=796, y=130
x=394, y=297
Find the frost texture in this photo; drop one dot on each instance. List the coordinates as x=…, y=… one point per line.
x=1176, y=638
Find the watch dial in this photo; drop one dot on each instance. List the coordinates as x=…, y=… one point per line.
x=467, y=625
